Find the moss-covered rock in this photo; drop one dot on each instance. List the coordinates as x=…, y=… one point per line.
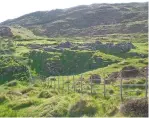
x=135, y=108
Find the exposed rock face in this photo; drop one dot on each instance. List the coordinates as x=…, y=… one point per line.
x=92, y=20
x=98, y=59
x=108, y=47
x=135, y=108
x=129, y=71
x=65, y=45
x=5, y=32
x=17, y=93
x=124, y=47
x=112, y=77
x=138, y=55
x=95, y=78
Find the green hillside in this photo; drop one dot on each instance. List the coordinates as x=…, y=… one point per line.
x=85, y=61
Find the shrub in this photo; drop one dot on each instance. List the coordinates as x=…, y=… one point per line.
x=56, y=106
x=135, y=108
x=3, y=98
x=45, y=94
x=12, y=83
x=23, y=104
x=26, y=90
x=83, y=107
x=111, y=91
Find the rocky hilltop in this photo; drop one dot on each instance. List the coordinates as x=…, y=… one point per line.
x=87, y=20
x=5, y=32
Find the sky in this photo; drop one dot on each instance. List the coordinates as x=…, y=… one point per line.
x=10, y=9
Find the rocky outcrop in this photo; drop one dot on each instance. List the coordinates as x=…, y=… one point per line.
x=108, y=47
x=65, y=45
x=112, y=77
x=129, y=71
x=92, y=20
x=5, y=32
x=95, y=78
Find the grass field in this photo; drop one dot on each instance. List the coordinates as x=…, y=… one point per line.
x=35, y=97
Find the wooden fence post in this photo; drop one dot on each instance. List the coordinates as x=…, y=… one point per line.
x=81, y=83
x=91, y=85
x=54, y=85
x=121, y=90
x=74, y=84
x=63, y=82
x=51, y=82
x=68, y=83
x=58, y=83
x=48, y=83
x=104, y=88
x=146, y=88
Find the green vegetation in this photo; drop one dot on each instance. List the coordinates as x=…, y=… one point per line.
x=56, y=77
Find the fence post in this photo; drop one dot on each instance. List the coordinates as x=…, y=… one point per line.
x=104, y=88
x=81, y=83
x=74, y=84
x=51, y=82
x=58, y=83
x=91, y=85
x=68, y=83
x=63, y=82
x=121, y=94
x=48, y=83
x=146, y=88
x=54, y=84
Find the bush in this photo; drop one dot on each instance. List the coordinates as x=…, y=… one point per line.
x=12, y=83
x=45, y=94
x=23, y=104
x=56, y=106
x=3, y=98
x=26, y=90
x=135, y=108
x=111, y=91
x=83, y=107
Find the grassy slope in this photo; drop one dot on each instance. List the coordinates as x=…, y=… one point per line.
x=60, y=104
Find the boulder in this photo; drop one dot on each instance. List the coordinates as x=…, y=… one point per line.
x=129, y=71
x=34, y=46
x=95, y=78
x=65, y=45
x=98, y=59
x=98, y=42
x=124, y=47
x=112, y=77
x=135, y=108
x=5, y=32
x=52, y=78
x=17, y=93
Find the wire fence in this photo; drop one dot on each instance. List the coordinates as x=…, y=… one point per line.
x=94, y=86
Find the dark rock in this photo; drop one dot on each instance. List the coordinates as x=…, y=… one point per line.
x=129, y=71
x=65, y=45
x=124, y=47
x=112, y=77
x=34, y=46
x=135, y=108
x=52, y=78
x=98, y=59
x=5, y=32
x=95, y=78
x=17, y=93
x=12, y=83
x=98, y=42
